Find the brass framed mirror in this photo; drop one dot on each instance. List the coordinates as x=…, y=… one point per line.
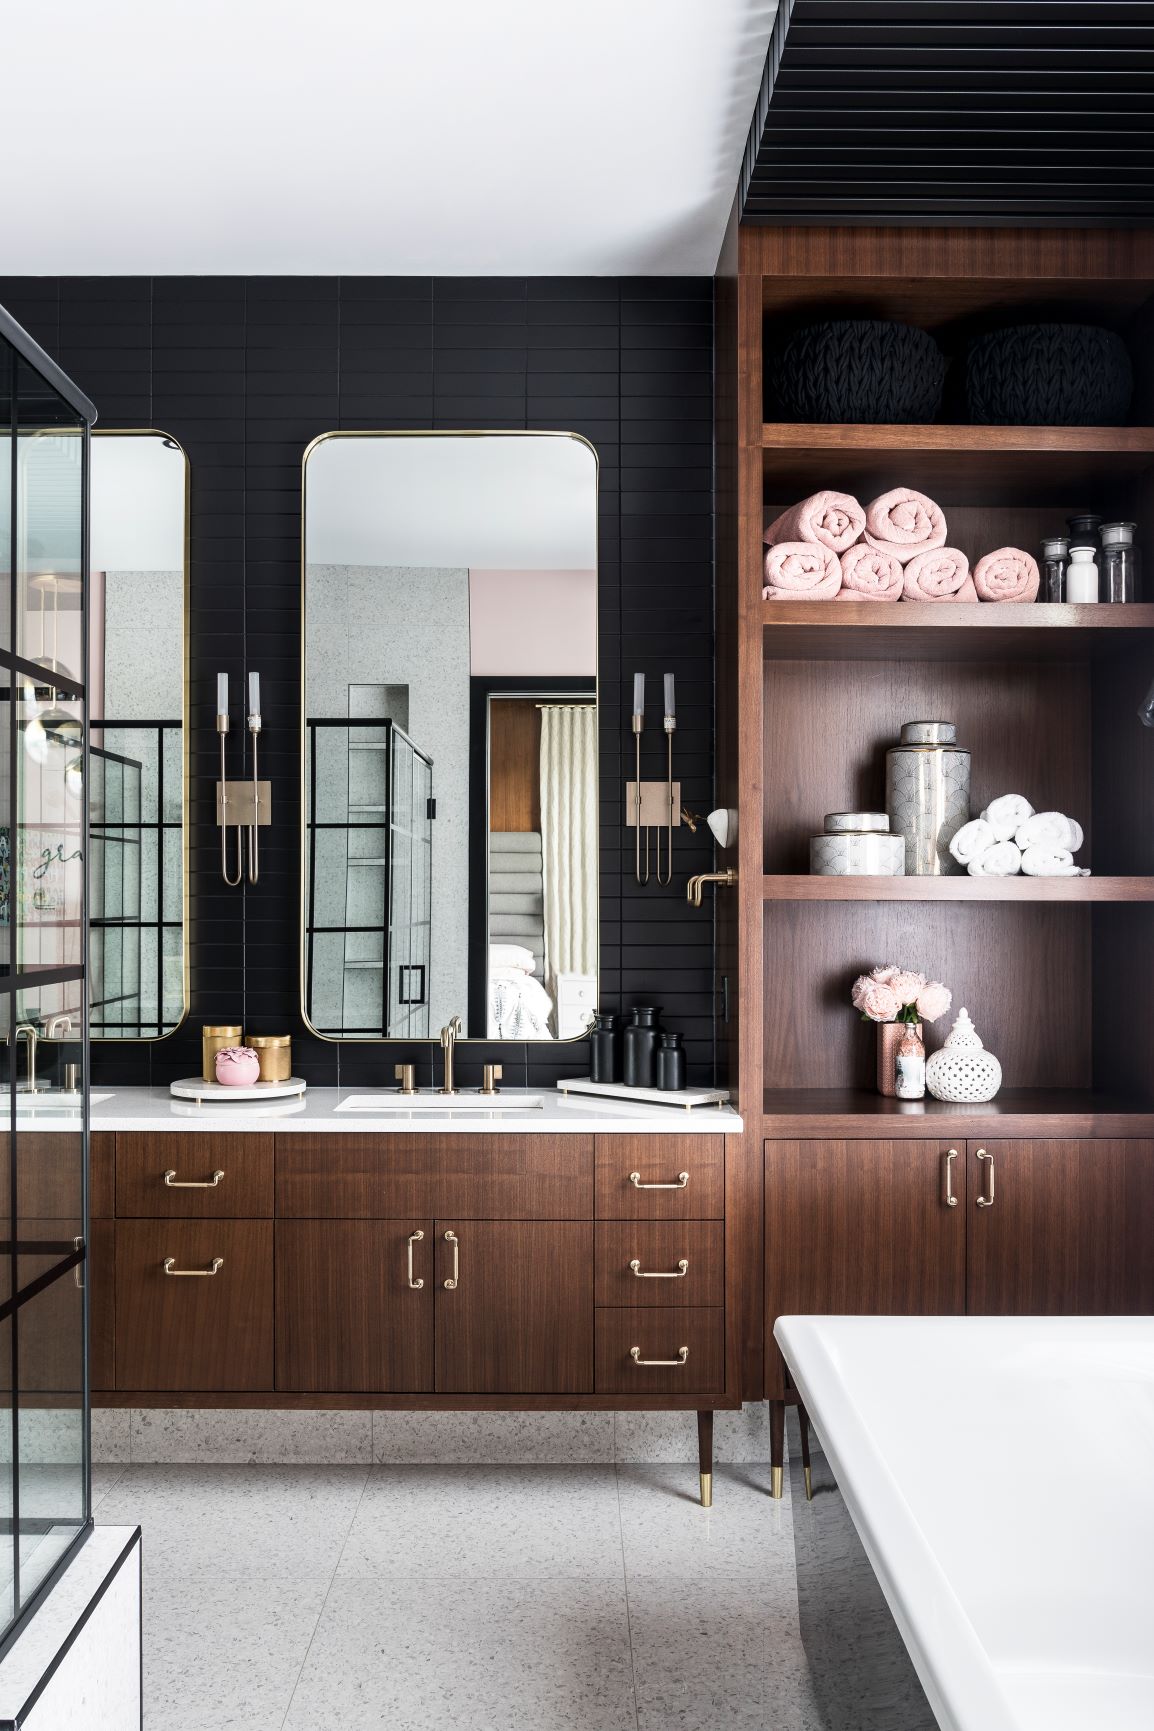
x=138, y=751
x=449, y=847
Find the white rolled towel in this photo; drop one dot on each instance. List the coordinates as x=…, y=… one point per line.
x=1003, y=860
x=971, y=840
x=1050, y=829
x=1006, y=815
x=1040, y=861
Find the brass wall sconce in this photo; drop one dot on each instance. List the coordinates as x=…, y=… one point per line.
x=246, y=804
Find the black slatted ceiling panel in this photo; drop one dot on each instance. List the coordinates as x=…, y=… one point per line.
x=1027, y=112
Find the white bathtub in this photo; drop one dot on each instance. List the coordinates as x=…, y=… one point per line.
x=1000, y=1474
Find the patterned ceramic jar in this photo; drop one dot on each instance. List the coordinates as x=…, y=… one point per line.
x=866, y=854
x=928, y=795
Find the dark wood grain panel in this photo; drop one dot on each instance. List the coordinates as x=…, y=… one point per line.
x=100, y=1272
x=245, y=1191
x=346, y=1315
x=861, y=1228
x=520, y=1318
x=1070, y=1230
x=1002, y=961
x=661, y=1334
x=102, y=1174
x=519, y=1177
x=659, y=1246
x=210, y=1333
x=863, y=1113
x=514, y=764
x=660, y=1160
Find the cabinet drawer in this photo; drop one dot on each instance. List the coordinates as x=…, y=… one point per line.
x=199, y=1330
x=243, y=1192
x=640, y=1177
x=661, y=1335
x=466, y=1177
x=659, y=1246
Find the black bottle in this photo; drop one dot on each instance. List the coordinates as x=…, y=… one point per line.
x=671, y=1063
x=605, y=1048
x=641, y=1035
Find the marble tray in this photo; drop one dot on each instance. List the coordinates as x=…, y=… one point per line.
x=684, y=1097
x=196, y=1088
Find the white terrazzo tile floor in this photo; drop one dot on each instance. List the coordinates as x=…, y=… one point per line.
x=489, y=1598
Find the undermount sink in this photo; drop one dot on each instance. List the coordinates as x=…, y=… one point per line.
x=451, y=1105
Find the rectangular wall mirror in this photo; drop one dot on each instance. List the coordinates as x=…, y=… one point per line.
x=449, y=735
x=138, y=971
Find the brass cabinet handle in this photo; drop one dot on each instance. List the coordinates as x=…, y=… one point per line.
x=200, y=1273
x=682, y=1355
x=682, y=1181
x=660, y=1273
x=948, y=1196
x=987, y=1201
x=414, y=1238
x=78, y=1244
x=451, y=1283
x=175, y=1183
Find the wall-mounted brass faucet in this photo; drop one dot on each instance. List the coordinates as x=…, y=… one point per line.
x=696, y=884
x=450, y=1034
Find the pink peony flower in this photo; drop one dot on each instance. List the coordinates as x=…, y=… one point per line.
x=933, y=1000
x=905, y=985
x=885, y=975
x=876, y=1000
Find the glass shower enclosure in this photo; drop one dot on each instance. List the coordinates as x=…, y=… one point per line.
x=45, y=1503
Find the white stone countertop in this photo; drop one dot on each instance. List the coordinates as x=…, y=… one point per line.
x=514, y=1110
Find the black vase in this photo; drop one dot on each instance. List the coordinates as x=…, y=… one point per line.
x=671, y=1063
x=605, y=1049
x=641, y=1036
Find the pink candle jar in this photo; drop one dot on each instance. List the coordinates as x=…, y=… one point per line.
x=237, y=1066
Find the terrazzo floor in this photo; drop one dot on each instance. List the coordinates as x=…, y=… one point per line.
x=482, y=1598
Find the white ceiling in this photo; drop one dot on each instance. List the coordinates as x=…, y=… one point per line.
x=378, y=137
x=517, y=503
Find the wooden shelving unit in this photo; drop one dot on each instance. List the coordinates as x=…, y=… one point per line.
x=802, y=887
x=862, y=1113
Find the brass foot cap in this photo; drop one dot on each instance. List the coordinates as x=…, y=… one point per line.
x=808, y=1485
x=707, y=1490
x=777, y=1481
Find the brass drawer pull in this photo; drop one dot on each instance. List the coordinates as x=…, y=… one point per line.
x=414, y=1238
x=175, y=1183
x=199, y=1273
x=987, y=1201
x=948, y=1196
x=682, y=1181
x=451, y=1283
x=660, y=1273
x=682, y=1355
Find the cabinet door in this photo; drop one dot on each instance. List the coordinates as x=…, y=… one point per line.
x=1068, y=1232
x=193, y=1329
x=514, y=1307
x=863, y=1228
x=349, y=1315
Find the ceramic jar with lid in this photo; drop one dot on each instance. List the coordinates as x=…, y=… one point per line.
x=963, y=1072
x=857, y=844
x=1082, y=574
x=928, y=795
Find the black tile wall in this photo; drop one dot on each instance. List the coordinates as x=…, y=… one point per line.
x=245, y=372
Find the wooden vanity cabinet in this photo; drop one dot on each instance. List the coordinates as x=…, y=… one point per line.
x=518, y=1316
x=353, y=1303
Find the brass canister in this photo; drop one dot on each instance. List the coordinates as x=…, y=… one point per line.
x=275, y=1052
x=212, y=1041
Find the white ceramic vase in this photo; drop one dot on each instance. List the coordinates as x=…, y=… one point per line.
x=962, y=1071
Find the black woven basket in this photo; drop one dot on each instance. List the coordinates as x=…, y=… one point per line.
x=855, y=370
x=1048, y=375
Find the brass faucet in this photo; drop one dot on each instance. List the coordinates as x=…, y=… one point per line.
x=31, y=1036
x=450, y=1034
x=696, y=884
x=57, y=1026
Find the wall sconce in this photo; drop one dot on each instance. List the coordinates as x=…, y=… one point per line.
x=653, y=805
x=246, y=804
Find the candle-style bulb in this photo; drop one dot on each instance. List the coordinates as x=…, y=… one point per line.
x=670, y=705
x=254, y=693
x=639, y=694
x=222, y=694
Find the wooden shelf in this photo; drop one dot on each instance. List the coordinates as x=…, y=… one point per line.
x=802, y=887
x=949, y=630
x=958, y=464
x=831, y=1113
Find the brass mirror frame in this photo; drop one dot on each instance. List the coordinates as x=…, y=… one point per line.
x=441, y=433
x=186, y=743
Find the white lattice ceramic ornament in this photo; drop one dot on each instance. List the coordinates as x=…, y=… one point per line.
x=962, y=1070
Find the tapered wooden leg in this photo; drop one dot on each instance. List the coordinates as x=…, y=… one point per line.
x=776, y=1448
x=705, y=1457
x=803, y=1421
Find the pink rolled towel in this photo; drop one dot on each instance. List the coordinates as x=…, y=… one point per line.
x=1007, y=575
x=905, y=524
x=943, y=575
x=867, y=575
x=801, y=571
x=833, y=520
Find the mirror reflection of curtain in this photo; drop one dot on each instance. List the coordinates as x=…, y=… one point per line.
x=569, y=838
